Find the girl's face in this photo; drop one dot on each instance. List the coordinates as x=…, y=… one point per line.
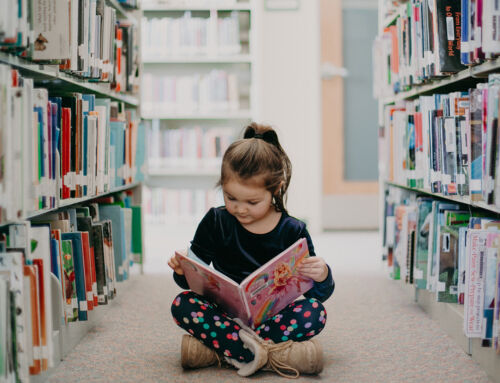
x=247, y=201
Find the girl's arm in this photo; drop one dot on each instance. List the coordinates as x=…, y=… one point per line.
x=316, y=268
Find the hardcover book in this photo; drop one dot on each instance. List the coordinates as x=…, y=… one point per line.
x=259, y=296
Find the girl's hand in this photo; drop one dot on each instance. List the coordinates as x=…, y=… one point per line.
x=173, y=262
x=314, y=268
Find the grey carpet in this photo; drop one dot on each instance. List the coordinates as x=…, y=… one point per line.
x=374, y=333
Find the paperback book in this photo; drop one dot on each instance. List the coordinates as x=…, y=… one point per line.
x=259, y=296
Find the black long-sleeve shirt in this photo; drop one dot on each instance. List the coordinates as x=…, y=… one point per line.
x=234, y=251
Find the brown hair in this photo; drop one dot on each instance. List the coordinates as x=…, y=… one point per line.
x=259, y=153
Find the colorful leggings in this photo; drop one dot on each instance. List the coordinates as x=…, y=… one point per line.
x=299, y=321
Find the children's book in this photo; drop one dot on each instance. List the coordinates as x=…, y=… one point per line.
x=259, y=296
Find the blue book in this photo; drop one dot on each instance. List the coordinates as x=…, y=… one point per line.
x=140, y=153
x=78, y=264
x=118, y=137
x=115, y=214
x=54, y=258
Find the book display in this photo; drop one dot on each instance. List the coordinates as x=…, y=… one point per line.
x=72, y=165
x=198, y=93
x=437, y=72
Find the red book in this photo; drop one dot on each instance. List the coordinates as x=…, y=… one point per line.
x=66, y=151
x=88, y=270
x=94, y=275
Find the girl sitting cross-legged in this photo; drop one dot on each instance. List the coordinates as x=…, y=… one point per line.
x=237, y=239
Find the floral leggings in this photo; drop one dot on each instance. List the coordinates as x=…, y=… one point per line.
x=299, y=321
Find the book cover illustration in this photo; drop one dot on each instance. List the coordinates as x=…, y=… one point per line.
x=70, y=298
x=493, y=245
x=259, y=296
x=422, y=242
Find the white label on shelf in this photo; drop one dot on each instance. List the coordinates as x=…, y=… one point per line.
x=105, y=289
x=45, y=351
x=446, y=179
x=37, y=352
x=450, y=30
x=461, y=179
x=94, y=288
x=440, y=286
x=74, y=303
x=90, y=296
x=464, y=46
x=418, y=274
x=83, y=306
x=120, y=270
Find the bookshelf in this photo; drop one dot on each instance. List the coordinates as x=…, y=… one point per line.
x=437, y=146
x=217, y=57
x=72, y=178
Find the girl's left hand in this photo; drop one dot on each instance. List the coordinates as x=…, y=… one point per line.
x=314, y=268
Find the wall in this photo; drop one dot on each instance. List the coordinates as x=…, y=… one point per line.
x=289, y=62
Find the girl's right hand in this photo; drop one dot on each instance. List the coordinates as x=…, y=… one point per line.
x=173, y=262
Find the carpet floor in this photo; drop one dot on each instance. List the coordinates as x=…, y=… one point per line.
x=374, y=333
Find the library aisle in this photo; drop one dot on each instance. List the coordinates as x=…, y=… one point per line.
x=374, y=332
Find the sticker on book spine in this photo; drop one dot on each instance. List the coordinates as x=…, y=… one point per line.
x=450, y=29
x=83, y=306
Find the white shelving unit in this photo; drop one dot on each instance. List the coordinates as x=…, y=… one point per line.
x=449, y=316
x=67, y=336
x=186, y=62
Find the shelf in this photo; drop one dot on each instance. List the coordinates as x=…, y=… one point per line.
x=166, y=8
x=478, y=71
x=71, y=202
x=457, y=199
x=238, y=59
x=50, y=76
x=450, y=318
x=240, y=115
x=123, y=12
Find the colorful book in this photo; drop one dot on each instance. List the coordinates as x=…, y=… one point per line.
x=258, y=297
x=70, y=297
x=79, y=265
x=422, y=242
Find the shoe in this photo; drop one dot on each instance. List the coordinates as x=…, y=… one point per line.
x=195, y=354
x=258, y=349
x=290, y=359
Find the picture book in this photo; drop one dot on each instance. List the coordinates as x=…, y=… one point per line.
x=259, y=296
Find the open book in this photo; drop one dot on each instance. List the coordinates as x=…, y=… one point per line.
x=259, y=296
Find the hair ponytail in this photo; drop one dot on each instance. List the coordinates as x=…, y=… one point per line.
x=259, y=154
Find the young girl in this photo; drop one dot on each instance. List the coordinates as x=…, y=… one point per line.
x=238, y=238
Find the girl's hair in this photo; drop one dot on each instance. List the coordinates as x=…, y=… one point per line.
x=260, y=154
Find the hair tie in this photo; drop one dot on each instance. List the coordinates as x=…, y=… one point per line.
x=258, y=135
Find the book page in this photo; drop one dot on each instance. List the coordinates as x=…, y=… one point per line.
x=213, y=285
x=276, y=284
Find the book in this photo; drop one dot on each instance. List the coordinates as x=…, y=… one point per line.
x=259, y=296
